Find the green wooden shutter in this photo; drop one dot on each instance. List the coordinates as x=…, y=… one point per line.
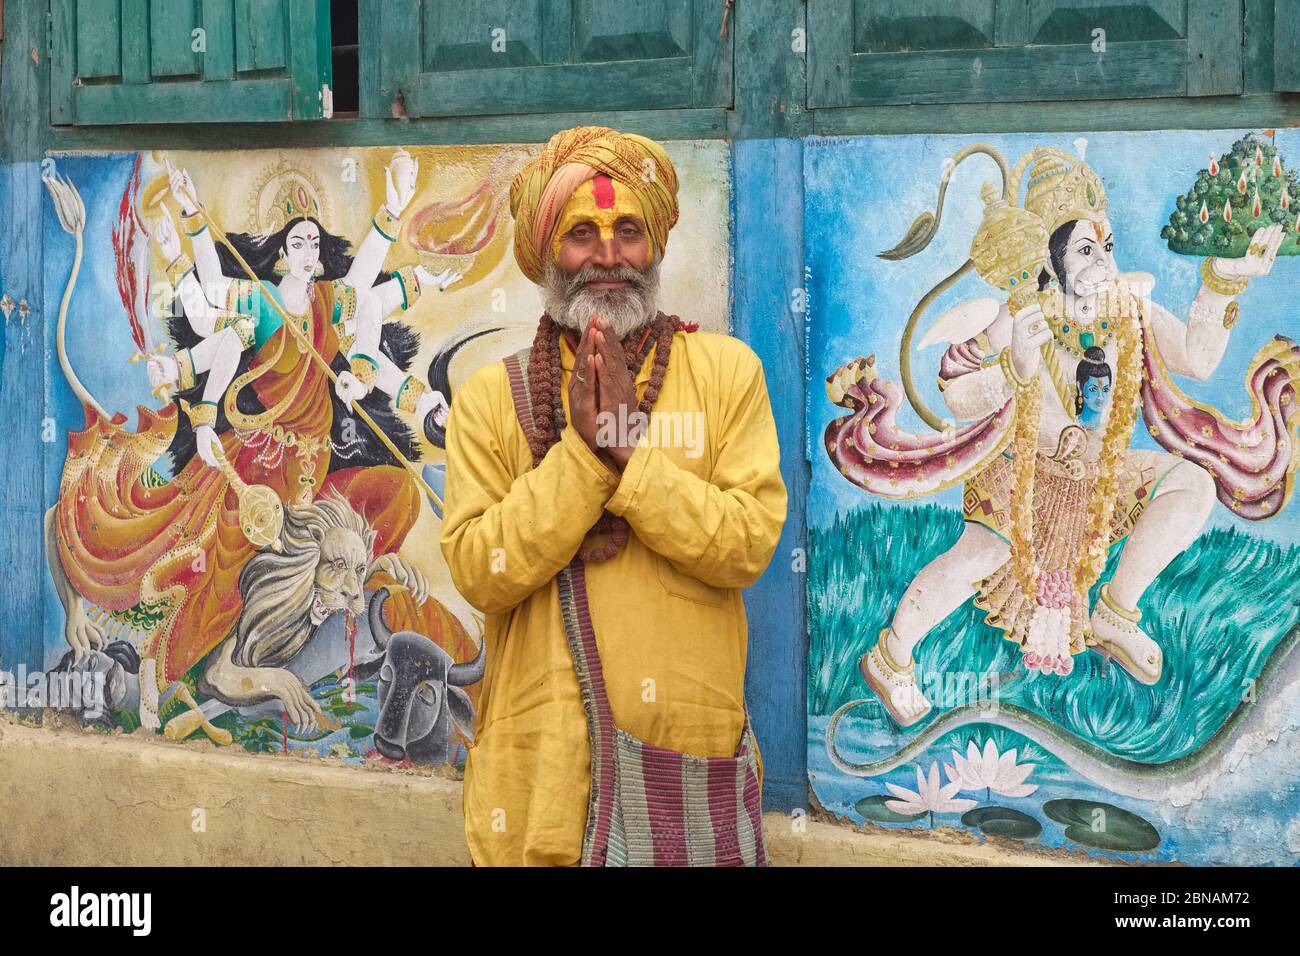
x=1286, y=45
x=476, y=57
x=873, y=52
x=144, y=61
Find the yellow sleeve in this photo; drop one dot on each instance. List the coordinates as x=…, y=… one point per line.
x=505, y=535
x=723, y=530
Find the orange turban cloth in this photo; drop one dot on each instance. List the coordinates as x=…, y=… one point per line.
x=571, y=158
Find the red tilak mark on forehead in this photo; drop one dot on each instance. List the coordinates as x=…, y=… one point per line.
x=603, y=189
x=1096, y=227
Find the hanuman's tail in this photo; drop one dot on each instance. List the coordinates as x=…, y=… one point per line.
x=918, y=236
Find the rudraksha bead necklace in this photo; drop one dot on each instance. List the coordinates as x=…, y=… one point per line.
x=544, y=377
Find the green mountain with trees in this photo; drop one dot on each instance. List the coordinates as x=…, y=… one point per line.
x=1245, y=190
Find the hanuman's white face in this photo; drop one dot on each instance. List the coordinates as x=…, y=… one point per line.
x=1089, y=258
x=302, y=250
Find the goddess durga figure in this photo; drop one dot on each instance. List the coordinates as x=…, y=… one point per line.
x=253, y=410
x=1047, y=380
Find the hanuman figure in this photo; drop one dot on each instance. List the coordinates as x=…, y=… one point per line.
x=1046, y=382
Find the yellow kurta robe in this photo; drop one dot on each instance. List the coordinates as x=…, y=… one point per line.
x=667, y=610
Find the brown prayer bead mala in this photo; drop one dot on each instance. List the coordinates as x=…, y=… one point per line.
x=544, y=376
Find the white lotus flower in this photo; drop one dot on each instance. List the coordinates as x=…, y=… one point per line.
x=929, y=796
x=990, y=772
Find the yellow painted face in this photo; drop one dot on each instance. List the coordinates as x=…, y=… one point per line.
x=602, y=202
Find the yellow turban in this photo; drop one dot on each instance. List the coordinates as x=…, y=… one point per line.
x=571, y=158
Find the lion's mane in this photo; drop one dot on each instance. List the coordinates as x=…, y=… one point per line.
x=277, y=586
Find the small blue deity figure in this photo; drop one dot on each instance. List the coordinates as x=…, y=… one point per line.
x=1094, y=380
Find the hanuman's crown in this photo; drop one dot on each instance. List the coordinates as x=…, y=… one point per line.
x=1061, y=191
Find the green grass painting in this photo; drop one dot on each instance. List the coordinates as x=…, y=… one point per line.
x=1217, y=611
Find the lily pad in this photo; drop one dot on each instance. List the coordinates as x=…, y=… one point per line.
x=874, y=809
x=1103, y=826
x=1003, y=821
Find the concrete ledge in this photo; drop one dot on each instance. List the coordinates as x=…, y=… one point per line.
x=70, y=798
x=73, y=798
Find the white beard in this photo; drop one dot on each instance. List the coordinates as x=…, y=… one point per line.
x=571, y=304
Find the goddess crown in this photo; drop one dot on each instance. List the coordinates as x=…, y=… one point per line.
x=284, y=192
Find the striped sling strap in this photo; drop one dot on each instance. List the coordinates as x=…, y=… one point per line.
x=648, y=805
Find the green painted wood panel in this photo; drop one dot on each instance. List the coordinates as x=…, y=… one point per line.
x=647, y=84
x=883, y=52
x=142, y=61
x=557, y=32
x=1258, y=51
x=219, y=54
x=171, y=38
x=540, y=56
x=309, y=56
x=440, y=131
x=484, y=34
x=1017, y=73
x=1215, y=47
x=1286, y=45
x=260, y=35
x=609, y=30
x=134, y=28
x=63, y=59
x=228, y=101
x=99, y=39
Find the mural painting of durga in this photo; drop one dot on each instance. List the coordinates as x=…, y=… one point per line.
x=293, y=480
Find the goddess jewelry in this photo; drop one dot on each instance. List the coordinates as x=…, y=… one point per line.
x=408, y=280
x=281, y=267
x=386, y=224
x=242, y=324
x=186, y=378
x=364, y=369
x=194, y=223
x=200, y=413
x=178, y=269
x=408, y=393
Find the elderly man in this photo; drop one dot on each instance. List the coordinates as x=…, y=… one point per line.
x=609, y=492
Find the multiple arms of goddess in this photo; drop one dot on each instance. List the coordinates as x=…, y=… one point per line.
x=226, y=334
x=369, y=305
